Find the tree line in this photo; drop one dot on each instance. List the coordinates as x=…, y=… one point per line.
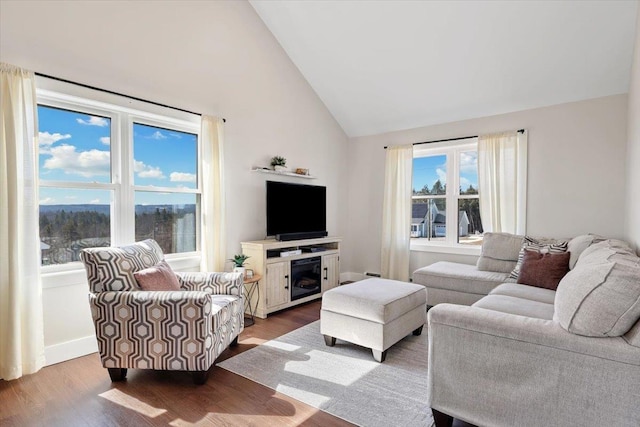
x=66, y=233
x=470, y=206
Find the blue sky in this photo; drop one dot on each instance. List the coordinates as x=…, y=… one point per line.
x=427, y=170
x=76, y=147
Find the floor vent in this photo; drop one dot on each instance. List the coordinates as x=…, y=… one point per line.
x=370, y=274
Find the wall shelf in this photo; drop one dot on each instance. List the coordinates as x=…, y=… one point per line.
x=272, y=172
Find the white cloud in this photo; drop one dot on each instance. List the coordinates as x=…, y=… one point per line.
x=469, y=161
x=85, y=163
x=46, y=140
x=106, y=140
x=182, y=177
x=158, y=135
x=94, y=201
x=464, y=183
x=94, y=121
x=147, y=171
x=442, y=176
x=47, y=201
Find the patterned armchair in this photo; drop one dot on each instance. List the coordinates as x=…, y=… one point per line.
x=181, y=330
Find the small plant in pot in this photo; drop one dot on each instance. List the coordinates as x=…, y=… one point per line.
x=238, y=261
x=279, y=163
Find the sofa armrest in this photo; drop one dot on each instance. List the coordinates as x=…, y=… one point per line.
x=499, y=369
x=213, y=283
x=170, y=330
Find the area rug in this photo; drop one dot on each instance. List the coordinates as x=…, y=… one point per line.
x=343, y=380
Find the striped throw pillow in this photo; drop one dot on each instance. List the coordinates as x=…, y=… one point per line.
x=542, y=246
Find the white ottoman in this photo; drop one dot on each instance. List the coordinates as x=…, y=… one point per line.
x=373, y=313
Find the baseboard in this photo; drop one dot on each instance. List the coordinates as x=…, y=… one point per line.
x=350, y=276
x=70, y=350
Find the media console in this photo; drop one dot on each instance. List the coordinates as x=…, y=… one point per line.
x=295, y=279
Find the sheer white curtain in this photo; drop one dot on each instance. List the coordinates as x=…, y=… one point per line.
x=213, y=197
x=502, y=178
x=21, y=332
x=396, y=213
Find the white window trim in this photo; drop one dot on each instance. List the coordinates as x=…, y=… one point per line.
x=453, y=151
x=119, y=109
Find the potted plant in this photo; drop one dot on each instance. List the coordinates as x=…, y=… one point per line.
x=238, y=261
x=279, y=163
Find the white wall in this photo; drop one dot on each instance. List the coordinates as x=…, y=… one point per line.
x=216, y=58
x=576, y=176
x=633, y=149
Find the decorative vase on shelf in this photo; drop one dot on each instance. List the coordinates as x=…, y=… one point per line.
x=279, y=164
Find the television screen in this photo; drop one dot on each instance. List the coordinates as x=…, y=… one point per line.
x=295, y=208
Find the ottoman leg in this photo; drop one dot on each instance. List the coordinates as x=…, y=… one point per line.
x=418, y=331
x=329, y=341
x=379, y=355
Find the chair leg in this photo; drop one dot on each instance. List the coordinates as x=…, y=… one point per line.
x=234, y=342
x=117, y=374
x=441, y=419
x=200, y=377
x=418, y=331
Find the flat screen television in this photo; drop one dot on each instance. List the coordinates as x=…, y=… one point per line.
x=296, y=211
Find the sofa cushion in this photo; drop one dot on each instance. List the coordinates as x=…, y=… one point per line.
x=594, y=253
x=518, y=306
x=543, y=245
x=601, y=296
x=454, y=276
x=633, y=336
x=499, y=252
x=532, y=293
x=577, y=245
x=377, y=300
x=543, y=270
x=160, y=277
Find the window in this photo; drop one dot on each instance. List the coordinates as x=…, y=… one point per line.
x=110, y=175
x=445, y=201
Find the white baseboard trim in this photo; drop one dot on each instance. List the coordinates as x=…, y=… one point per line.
x=350, y=276
x=70, y=350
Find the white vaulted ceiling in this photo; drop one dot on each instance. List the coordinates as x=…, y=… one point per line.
x=388, y=65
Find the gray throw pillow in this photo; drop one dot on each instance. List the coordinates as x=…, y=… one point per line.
x=577, y=245
x=600, y=297
x=499, y=252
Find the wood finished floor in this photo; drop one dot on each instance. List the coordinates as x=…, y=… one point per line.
x=79, y=393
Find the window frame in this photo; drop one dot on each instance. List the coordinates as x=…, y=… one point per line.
x=452, y=151
x=123, y=112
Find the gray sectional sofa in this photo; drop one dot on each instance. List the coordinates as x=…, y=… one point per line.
x=528, y=356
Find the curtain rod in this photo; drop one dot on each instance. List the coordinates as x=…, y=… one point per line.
x=451, y=139
x=120, y=94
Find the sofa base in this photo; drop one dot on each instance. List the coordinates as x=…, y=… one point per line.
x=441, y=419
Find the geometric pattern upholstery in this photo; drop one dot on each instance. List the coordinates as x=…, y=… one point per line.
x=163, y=330
x=111, y=269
